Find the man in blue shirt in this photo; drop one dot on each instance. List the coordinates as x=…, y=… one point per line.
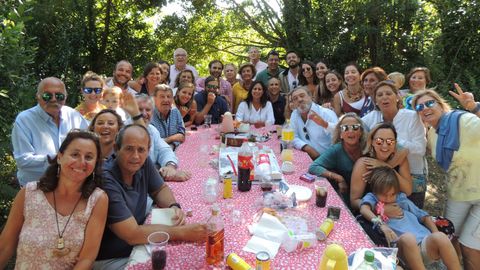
x=129, y=177
x=210, y=102
x=167, y=119
x=39, y=131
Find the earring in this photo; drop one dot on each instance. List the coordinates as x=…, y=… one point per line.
x=93, y=176
x=58, y=171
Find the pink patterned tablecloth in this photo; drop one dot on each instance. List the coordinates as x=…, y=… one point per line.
x=182, y=255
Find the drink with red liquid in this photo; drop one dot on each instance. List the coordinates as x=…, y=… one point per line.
x=159, y=259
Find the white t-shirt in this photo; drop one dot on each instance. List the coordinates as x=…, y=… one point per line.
x=250, y=115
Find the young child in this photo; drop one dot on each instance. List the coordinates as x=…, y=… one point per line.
x=418, y=245
x=113, y=99
x=398, y=78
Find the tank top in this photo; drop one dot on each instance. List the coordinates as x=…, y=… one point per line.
x=354, y=107
x=38, y=237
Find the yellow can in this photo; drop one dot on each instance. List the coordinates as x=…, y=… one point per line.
x=237, y=263
x=263, y=261
x=324, y=230
x=227, y=187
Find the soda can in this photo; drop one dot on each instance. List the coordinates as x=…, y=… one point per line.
x=236, y=263
x=263, y=261
x=324, y=230
x=227, y=186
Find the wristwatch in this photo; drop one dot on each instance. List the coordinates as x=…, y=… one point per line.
x=137, y=117
x=175, y=204
x=171, y=163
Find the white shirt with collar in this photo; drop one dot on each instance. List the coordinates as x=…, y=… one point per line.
x=319, y=138
x=292, y=80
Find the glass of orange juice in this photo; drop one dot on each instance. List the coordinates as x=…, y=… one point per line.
x=287, y=155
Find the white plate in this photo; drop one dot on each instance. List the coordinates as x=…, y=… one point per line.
x=301, y=193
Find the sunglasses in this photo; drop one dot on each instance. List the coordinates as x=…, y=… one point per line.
x=306, y=133
x=427, y=104
x=354, y=127
x=306, y=69
x=211, y=86
x=380, y=141
x=58, y=96
x=89, y=90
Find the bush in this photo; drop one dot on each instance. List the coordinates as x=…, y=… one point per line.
x=8, y=186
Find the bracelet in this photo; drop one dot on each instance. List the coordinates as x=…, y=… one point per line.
x=171, y=163
x=137, y=117
x=476, y=109
x=175, y=204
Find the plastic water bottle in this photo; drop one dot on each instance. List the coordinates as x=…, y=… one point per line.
x=264, y=171
x=299, y=241
x=368, y=261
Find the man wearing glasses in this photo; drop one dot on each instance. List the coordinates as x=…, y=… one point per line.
x=215, y=68
x=180, y=59
x=210, y=102
x=39, y=131
x=312, y=124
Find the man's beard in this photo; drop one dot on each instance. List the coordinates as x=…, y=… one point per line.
x=304, y=107
x=294, y=65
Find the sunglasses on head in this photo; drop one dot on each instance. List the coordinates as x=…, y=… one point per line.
x=58, y=96
x=344, y=128
x=381, y=141
x=89, y=90
x=427, y=104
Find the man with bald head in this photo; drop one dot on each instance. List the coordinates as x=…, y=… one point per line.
x=39, y=131
x=180, y=59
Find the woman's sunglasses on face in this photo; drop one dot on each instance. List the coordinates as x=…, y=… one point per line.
x=89, y=90
x=381, y=141
x=427, y=104
x=58, y=96
x=354, y=127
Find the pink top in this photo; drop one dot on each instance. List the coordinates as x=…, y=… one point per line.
x=38, y=238
x=184, y=255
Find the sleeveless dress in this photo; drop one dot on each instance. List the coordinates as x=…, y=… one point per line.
x=38, y=237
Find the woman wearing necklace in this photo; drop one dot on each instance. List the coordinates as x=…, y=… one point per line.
x=256, y=109
x=352, y=98
x=309, y=79
x=58, y=222
x=240, y=89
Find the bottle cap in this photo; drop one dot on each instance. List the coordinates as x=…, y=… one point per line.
x=369, y=256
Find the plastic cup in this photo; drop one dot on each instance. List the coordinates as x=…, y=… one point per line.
x=208, y=120
x=321, y=192
x=158, y=249
x=287, y=155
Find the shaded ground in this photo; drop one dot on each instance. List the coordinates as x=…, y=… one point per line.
x=436, y=197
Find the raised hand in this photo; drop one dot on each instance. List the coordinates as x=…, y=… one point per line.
x=466, y=99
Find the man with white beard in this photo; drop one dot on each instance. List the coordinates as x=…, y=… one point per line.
x=313, y=125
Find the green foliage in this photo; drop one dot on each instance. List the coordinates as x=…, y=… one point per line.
x=8, y=186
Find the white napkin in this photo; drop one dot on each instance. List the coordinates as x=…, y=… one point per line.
x=163, y=216
x=268, y=235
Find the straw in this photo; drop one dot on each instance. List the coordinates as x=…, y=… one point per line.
x=233, y=166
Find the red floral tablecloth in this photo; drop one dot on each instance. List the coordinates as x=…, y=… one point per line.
x=195, y=158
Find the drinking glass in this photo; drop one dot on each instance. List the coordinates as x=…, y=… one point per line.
x=208, y=120
x=321, y=192
x=158, y=249
x=210, y=190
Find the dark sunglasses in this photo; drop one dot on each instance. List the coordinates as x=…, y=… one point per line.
x=89, y=90
x=211, y=86
x=306, y=69
x=306, y=133
x=58, y=96
x=427, y=104
x=380, y=141
x=344, y=128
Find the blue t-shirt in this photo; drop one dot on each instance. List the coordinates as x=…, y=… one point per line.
x=125, y=201
x=411, y=220
x=219, y=106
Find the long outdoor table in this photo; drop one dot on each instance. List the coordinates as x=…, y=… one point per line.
x=193, y=157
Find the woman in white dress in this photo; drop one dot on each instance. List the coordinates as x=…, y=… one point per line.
x=256, y=109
